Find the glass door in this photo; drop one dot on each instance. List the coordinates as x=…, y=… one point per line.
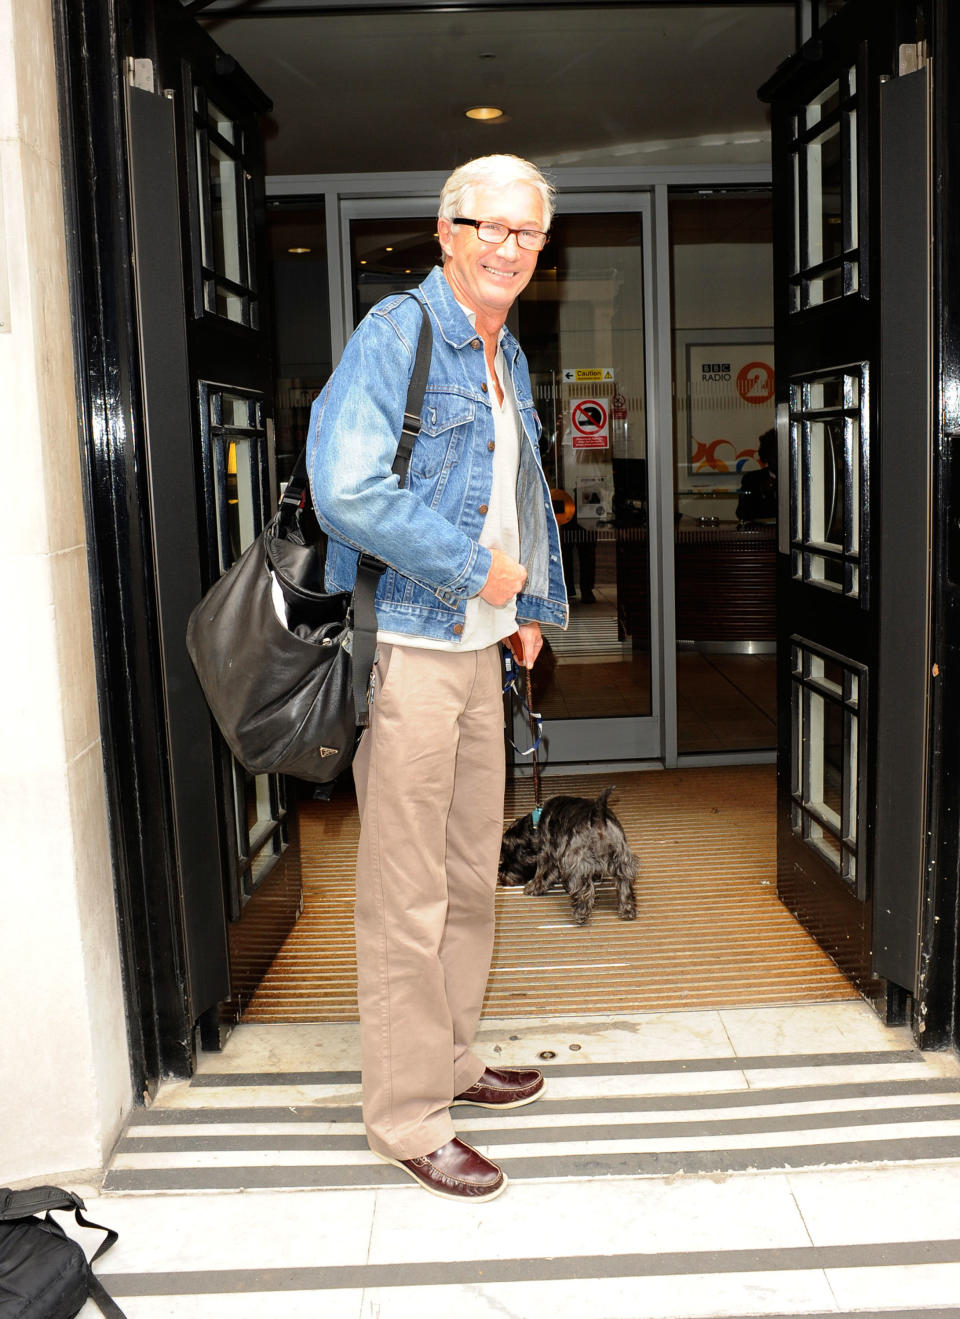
x=583, y=322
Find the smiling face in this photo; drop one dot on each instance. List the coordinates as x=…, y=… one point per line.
x=485, y=277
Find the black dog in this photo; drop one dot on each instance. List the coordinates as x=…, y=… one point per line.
x=578, y=843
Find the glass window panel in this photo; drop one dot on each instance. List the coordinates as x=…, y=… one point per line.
x=826, y=743
x=824, y=104
x=724, y=517
x=225, y=228
x=824, y=483
x=228, y=304
x=224, y=212
x=826, y=287
x=220, y=121
x=245, y=518
x=825, y=843
x=825, y=571
x=301, y=291
x=823, y=740
x=797, y=262
x=852, y=217
x=851, y=778
x=827, y=673
x=827, y=392
x=257, y=808
x=582, y=314
x=852, y=452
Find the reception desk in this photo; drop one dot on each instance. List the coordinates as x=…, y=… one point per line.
x=725, y=583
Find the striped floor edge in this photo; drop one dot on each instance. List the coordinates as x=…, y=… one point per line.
x=710, y=1183
x=658, y=1119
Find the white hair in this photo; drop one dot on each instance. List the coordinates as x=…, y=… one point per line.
x=493, y=172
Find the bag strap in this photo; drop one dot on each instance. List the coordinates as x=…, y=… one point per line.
x=40, y=1200
x=369, y=568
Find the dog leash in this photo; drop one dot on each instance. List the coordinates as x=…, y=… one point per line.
x=537, y=802
x=512, y=664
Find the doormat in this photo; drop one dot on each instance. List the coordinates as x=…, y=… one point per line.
x=710, y=931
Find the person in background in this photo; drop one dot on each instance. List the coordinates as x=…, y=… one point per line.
x=473, y=557
x=758, y=489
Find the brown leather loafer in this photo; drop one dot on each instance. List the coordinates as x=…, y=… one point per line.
x=456, y=1171
x=506, y=1087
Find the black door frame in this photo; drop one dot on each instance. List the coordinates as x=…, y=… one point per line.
x=938, y=1006
x=93, y=39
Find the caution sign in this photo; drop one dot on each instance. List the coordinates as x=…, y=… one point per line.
x=589, y=423
x=586, y=375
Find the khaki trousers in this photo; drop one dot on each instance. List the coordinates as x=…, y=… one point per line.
x=430, y=780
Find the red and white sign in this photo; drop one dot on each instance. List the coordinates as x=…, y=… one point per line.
x=755, y=382
x=590, y=423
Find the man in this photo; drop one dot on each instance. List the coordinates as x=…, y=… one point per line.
x=473, y=557
x=758, y=488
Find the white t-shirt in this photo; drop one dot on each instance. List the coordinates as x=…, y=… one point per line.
x=483, y=623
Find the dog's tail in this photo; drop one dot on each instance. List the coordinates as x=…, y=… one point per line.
x=601, y=807
x=601, y=802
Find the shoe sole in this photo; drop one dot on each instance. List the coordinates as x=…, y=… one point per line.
x=446, y=1195
x=512, y=1103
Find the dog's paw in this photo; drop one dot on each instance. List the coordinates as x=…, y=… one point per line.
x=534, y=888
x=627, y=913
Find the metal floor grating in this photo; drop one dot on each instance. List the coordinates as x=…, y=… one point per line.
x=710, y=931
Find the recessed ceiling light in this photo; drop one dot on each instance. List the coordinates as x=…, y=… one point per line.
x=485, y=112
x=298, y=251
x=388, y=249
x=363, y=263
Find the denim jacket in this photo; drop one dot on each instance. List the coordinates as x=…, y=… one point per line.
x=427, y=532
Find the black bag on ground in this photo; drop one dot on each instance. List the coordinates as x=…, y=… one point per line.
x=44, y=1274
x=290, y=699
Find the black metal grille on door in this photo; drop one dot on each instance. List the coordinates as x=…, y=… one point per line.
x=829, y=711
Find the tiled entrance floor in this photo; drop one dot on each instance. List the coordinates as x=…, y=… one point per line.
x=795, y=1161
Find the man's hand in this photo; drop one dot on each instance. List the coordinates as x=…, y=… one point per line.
x=504, y=580
x=532, y=641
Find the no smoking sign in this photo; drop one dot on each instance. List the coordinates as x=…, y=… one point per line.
x=589, y=418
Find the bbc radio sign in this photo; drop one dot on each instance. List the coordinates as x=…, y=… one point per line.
x=716, y=373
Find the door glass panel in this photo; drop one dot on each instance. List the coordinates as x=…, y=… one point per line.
x=301, y=290
x=829, y=437
x=725, y=479
x=237, y=499
x=825, y=235
x=389, y=256
x=826, y=757
x=580, y=322
x=825, y=172
x=225, y=280
x=825, y=484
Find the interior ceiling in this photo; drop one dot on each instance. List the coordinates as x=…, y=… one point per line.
x=592, y=85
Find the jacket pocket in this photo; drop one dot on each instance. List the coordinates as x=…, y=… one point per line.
x=444, y=420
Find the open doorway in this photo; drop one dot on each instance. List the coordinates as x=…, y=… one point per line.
x=661, y=255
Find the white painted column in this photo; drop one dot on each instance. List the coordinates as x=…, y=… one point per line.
x=64, y=1071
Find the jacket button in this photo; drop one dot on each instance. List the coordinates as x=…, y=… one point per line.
x=491, y=446
x=482, y=509
x=484, y=386
x=457, y=629
x=475, y=343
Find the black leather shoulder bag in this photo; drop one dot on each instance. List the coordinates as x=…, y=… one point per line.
x=293, y=699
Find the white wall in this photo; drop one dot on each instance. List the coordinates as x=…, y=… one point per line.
x=64, y=1072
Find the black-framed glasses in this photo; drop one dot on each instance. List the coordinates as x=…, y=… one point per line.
x=491, y=231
